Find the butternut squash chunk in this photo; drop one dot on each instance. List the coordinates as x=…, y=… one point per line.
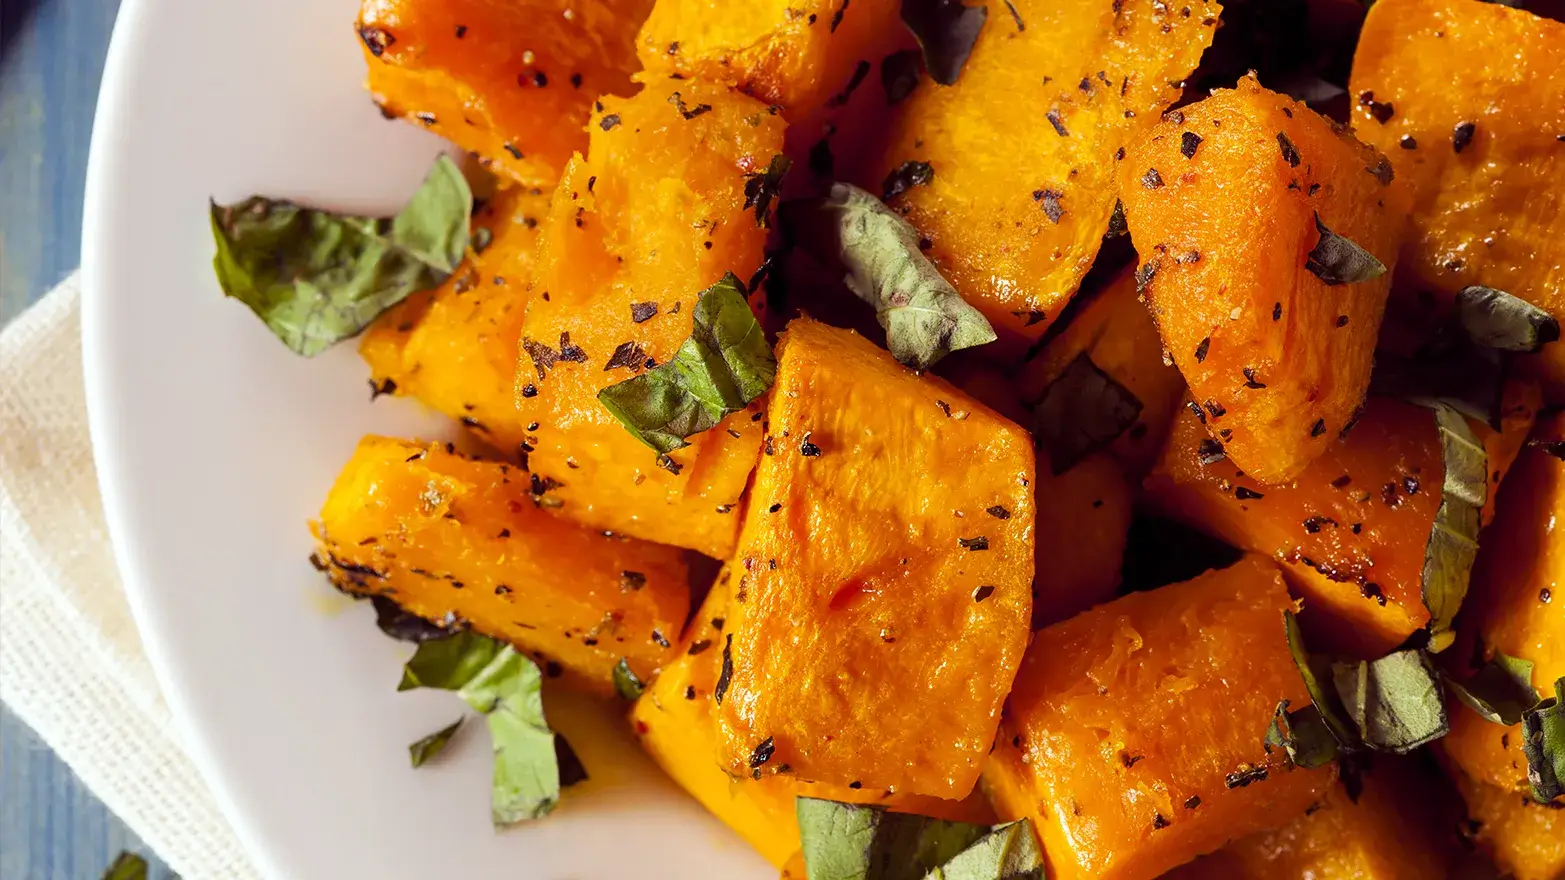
x=1022, y=148
x=454, y=348
x=882, y=597
x=1351, y=530
x=1467, y=99
x=1132, y=738
x=457, y=539
x=1115, y=330
x=1388, y=832
x=673, y=722
x=1526, y=839
x=655, y=214
x=511, y=81
x=1084, y=519
x=1226, y=202
x=1516, y=605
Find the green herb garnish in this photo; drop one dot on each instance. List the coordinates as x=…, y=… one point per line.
x=430, y=747
x=858, y=842
x=127, y=866
x=946, y=31
x=627, y=683
x=1394, y=701
x=1338, y=260
x=1501, y=691
x=1082, y=411
x=1543, y=742
x=1453, y=542
x=1501, y=321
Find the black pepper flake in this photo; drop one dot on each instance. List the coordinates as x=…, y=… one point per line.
x=1341, y=482
x=855, y=785
x=377, y=40
x=1358, y=528
x=1318, y=428
x=774, y=508
x=1382, y=111
x=860, y=71
x=1373, y=591
x=907, y=175
x=1217, y=410
x=762, y=753
x=662, y=642
x=1313, y=524
x=576, y=80
x=1462, y=135
x=553, y=669
x=1146, y=272
x=690, y=692
x=1210, y=451
x=1059, y=123
x=836, y=18
x=1410, y=485
x=983, y=593
x=1192, y=802
x=688, y=112
x=1342, y=320
x=629, y=355
x=727, y=674
x=630, y=581
x=1130, y=760
x=386, y=386
x=1277, y=311
x=699, y=646
x=1381, y=171
x=899, y=74
x=1158, y=822
x=1177, y=117
x=670, y=465
x=1050, y=202
x=1244, y=493
x=643, y=311
x=608, y=122
x=1545, y=595
x=998, y=512
x=1119, y=154
x=718, y=622
x=1289, y=154
x=808, y=449
x=1249, y=378
x=1408, y=142
x=1245, y=775
x=1189, y=142
x=1196, y=408
x=1152, y=179
x=974, y=544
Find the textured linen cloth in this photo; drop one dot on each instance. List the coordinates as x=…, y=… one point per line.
x=71, y=662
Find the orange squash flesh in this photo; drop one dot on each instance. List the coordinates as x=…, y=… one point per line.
x=511, y=81
x=1388, y=832
x=1084, y=519
x=1349, y=531
x=1132, y=726
x=1280, y=359
x=673, y=722
x=883, y=595
x=1115, y=330
x=1493, y=213
x=451, y=537
x=1524, y=838
x=454, y=348
x=1104, y=70
x=1516, y=605
x=655, y=214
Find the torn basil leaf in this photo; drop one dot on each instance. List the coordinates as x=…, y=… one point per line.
x=127, y=866
x=1465, y=376
x=317, y=277
x=506, y=688
x=1543, y=742
x=1501, y=691
x=403, y=625
x=924, y=317
x=725, y=364
x=946, y=31
x=1303, y=736
x=1453, y=541
x=1499, y=320
x=1083, y=410
x=1338, y=260
x=430, y=747
x=1316, y=673
x=627, y=683
x=763, y=186
x=857, y=842
x=1395, y=701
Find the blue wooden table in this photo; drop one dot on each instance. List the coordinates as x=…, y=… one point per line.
x=51, y=58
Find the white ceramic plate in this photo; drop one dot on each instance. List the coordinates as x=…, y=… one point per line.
x=215, y=445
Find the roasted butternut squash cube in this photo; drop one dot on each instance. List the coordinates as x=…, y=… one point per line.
x=673, y=722
x=1084, y=519
x=1389, y=831
x=882, y=591
x=1117, y=332
x=1515, y=605
x=1351, y=530
x=1132, y=738
x=456, y=539
x=1524, y=838
x=1022, y=147
x=1227, y=201
x=511, y=81
x=655, y=214
x=1478, y=154
x=454, y=348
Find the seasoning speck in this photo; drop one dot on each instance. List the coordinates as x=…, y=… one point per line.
x=1189, y=142
x=1152, y=179
x=974, y=544
x=983, y=593
x=1289, y=153
x=808, y=449
x=1462, y=136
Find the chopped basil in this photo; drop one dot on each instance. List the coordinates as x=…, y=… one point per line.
x=1394, y=701
x=1338, y=260
x=904, y=177
x=1453, y=541
x=1303, y=735
x=430, y=747
x=403, y=626
x=725, y=364
x=859, y=842
x=1499, y=320
x=1083, y=410
x=317, y=277
x=899, y=75
x=627, y=683
x=127, y=866
x=762, y=187
x=946, y=31
x=1501, y=691
x=505, y=687
x=924, y=317
x=1543, y=742
x=1316, y=673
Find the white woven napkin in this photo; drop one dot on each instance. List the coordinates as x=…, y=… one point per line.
x=71, y=663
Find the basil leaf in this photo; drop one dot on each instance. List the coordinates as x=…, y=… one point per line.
x=1501, y=691
x=924, y=317
x=1338, y=260
x=428, y=748
x=1316, y=673
x=506, y=688
x=762, y=187
x=1453, y=542
x=1083, y=410
x=857, y=842
x=725, y=364
x=1394, y=701
x=1467, y=377
x=1543, y=742
x=946, y=31
x=403, y=625
x=1499, y=320
x=627, y=683
x=1007, y=852
x=127, y=866
x=1303, y=735
x=317, y=277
